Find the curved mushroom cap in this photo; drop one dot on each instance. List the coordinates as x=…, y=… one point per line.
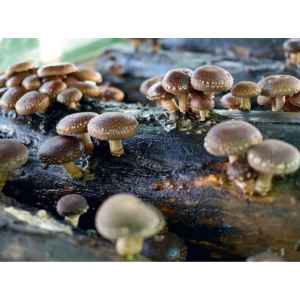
x=157, y=93
x=18, y=68
x=17, y=79
x=245, y=89
x=211, y=79
x=72, y=204
x=75, y=123
x=88, y=75
x=111, y=93
x=231, y=138
x=53, y=87
x=60, y=149
x=148, y=83
x=274, y=157
x=11, y=96
x=69, y=95
x=279, y=85
x=56, y=70
x=263, y=100
x=88, y=89
x=199, y=101
x=124, y=215
x=113, y=126
x=177, y=81
x=13, y=154
x=32, y=102
x=230, y=101
x=292, y=45
x=31, y=82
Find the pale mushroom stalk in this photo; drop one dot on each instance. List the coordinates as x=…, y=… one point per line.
x=171, y=107
x=130, y=246
x=73, y=170
x=87, y=143
x=183, y=103
x=245, y=104
x=279, y=103
x=72, y=220
x=116, y=147
x=263, y=184
x=3, y=179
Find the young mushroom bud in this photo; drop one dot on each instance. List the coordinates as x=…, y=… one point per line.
x=245, y=90
x=211, y=80
x=88, y=89
x=19, y=68
x=10, y=97
x=87, y=75
x=271, y=158
x=76, y=125
x=56, y=70
x=32, y=102
x=291, y=49
x=113, y=127
x=31, y=82
x=178, y=83
x=127, y=220
x=70, y=97
x=71, y=207
x=201, y=104
x=110, y=93
x=13, y=155
x=157, y=93
x=62, y=150
x=53, y=87
x=230, y=102
x=278, y=87
x=231, y=138
x=144, y=87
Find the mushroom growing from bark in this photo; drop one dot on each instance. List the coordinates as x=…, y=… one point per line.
x=292, y=51
x=62, y=150
x=277, y=87
x=144, y=87
x=232, y=138
x=10, y=97
x=127, y=220
x=201, y=104
x=245, y=90
x=70, y=97
x=271, y=158
x=53, y=87
x=178, y=83
x=113, y=127
x=71, y=207
x=230, y=102
x=13, y=155
x=76, y=125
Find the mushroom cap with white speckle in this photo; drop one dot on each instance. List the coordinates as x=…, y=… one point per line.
x=177, y=81
x=274, y=157
x=56, y=70
x=13, y=154
x=231, y=138
x=245, y=89
x=148, y=83
x=69, y=95
x=74, y=124
x=292, y=45
x=211, y=79
x=87, y=88
x=113, y=126
x=125, y=215
x=72, y=204
x=157, y=93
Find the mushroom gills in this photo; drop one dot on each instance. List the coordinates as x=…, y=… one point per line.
x=129, y=247
x=73, y=170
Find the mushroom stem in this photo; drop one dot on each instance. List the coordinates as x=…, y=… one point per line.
x=245, y=104
x=3, y=179
x=183, y=103
x=73, y=170
x=116, y=148
x=232, y=158
x=72, y=220
x=263, y=184
x=278, y=103
x=87, y=142
x=129, y=247
x=203, y=115
x=171, y=108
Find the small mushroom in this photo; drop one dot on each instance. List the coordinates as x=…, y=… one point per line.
x=264, y=101
x=178, y=83
x=201, y=104
x=71, y=207
x=127, y=220
x=10, y=97
x=278, y=87
x=13, y=155
x=232, y=138
x=62, y=150
x=292, y=51
x=110, y=93
x=70, y=97
x=19, y=68
x=88, y=89
x=113, y=127
x=230, y=102
x=31, y=82
x=32, y=102
x=271, y=158
x=211, y=80
x=16, y=80
x=56, y=70
x=53, y=87
x=157, y=93
x=76, y=125
x=87, y=75
x=245, y=90
x=144, y=87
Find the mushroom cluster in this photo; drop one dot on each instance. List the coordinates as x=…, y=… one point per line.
x=184, y=90
x=251, y=157
x=28, y=89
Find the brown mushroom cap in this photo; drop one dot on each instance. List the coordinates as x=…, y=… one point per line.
x=31, y=82
x=17, y=79
x=245, y=89
x=53, y=87
x=75, y=123
x=88, y=75
x=113, y=126
x=72, y=204
x=18, y=68
x=211, y=79
x=229, y=101
x=69, y=95
x=177, y=81
x=199, y=101
x=274, y=157
x=13, y=154
x=292, y=45
x=11, y=96
x=231, y=138
x=59, y=150
x=148, y=83
x=88, y=89
x=32, y=102
x=111, y=93
x=294, y=100
x=279, y=85
x=157, y=93
x=56, y=70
